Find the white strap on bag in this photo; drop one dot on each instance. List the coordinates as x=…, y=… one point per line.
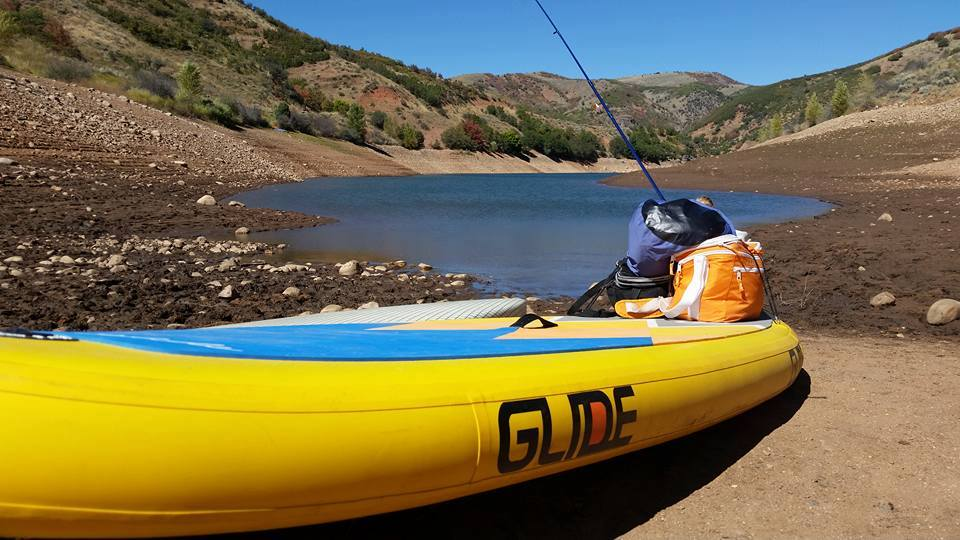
x=691, y=296
x=689, y=301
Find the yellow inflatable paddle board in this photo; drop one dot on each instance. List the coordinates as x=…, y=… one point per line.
x=280, y=423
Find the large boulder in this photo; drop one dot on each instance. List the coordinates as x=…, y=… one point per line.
x=206, y=200
x=943, y=311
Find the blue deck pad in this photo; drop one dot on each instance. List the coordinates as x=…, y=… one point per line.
x=346, y=342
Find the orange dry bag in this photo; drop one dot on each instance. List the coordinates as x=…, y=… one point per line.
x=719, y=280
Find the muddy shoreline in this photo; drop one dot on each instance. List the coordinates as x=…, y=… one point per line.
x=99, y=222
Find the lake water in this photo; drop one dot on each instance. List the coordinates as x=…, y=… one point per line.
x=544, y=234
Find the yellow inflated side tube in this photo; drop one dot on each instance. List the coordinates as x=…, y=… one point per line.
x=106, y=441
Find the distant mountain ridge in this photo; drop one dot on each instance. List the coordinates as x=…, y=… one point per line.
x=674, y=99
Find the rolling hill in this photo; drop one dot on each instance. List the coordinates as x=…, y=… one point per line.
x=926, y=70
x=254, y=70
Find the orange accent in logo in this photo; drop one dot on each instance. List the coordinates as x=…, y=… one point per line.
x=598, y=416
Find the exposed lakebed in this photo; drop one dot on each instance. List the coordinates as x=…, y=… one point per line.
x=545, y=234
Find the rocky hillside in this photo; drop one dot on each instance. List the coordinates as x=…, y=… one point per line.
x=926, y=70
x=248, y=62
x=252, y=70
x=674, y=99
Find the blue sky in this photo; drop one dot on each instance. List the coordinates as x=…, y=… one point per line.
x=754, y=41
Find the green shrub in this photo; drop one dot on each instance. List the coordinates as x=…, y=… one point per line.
x=249, y=115
x=840, y=101
x=378, y=119
x=155, y=82
x=895, y=56
x=943, y=42
x=650, y=147
x=456, y=138
x=411, y=137
x=356, y=124
x=189, y=84
x=142, y=95
x=338, y=105
x=498, y=112
x=67, y=69
x=813, y=110
x=872, y=70
x=776, y=126
x=407, y=135
x=217, y=111
x=509, y=142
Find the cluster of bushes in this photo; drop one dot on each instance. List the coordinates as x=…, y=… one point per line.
x=648, y=143
x=32, y=22
x=474, y=134
x=319, y=125
x=557, y=143
x=940, y=38
x=498, y=112
x=408, y=136
x=184, y=27
x=185, y=96
x=291, y=48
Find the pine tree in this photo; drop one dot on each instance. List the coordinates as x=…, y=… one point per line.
x=357, y=123
x=813, y=110
x=188, y=81
x=840, y=101
x=866, y=91
x=763, y=133
x=776, y=126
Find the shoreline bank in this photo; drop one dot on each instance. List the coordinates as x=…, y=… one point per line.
x=893, y=227
x=93, y=167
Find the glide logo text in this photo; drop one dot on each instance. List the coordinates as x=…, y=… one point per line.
x=596, y=423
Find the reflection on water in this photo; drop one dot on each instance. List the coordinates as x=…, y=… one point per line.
x=546, y=234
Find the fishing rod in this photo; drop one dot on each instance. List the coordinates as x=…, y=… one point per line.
x=596, y=92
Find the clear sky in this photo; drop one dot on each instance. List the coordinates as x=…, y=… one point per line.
x=754, y=41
